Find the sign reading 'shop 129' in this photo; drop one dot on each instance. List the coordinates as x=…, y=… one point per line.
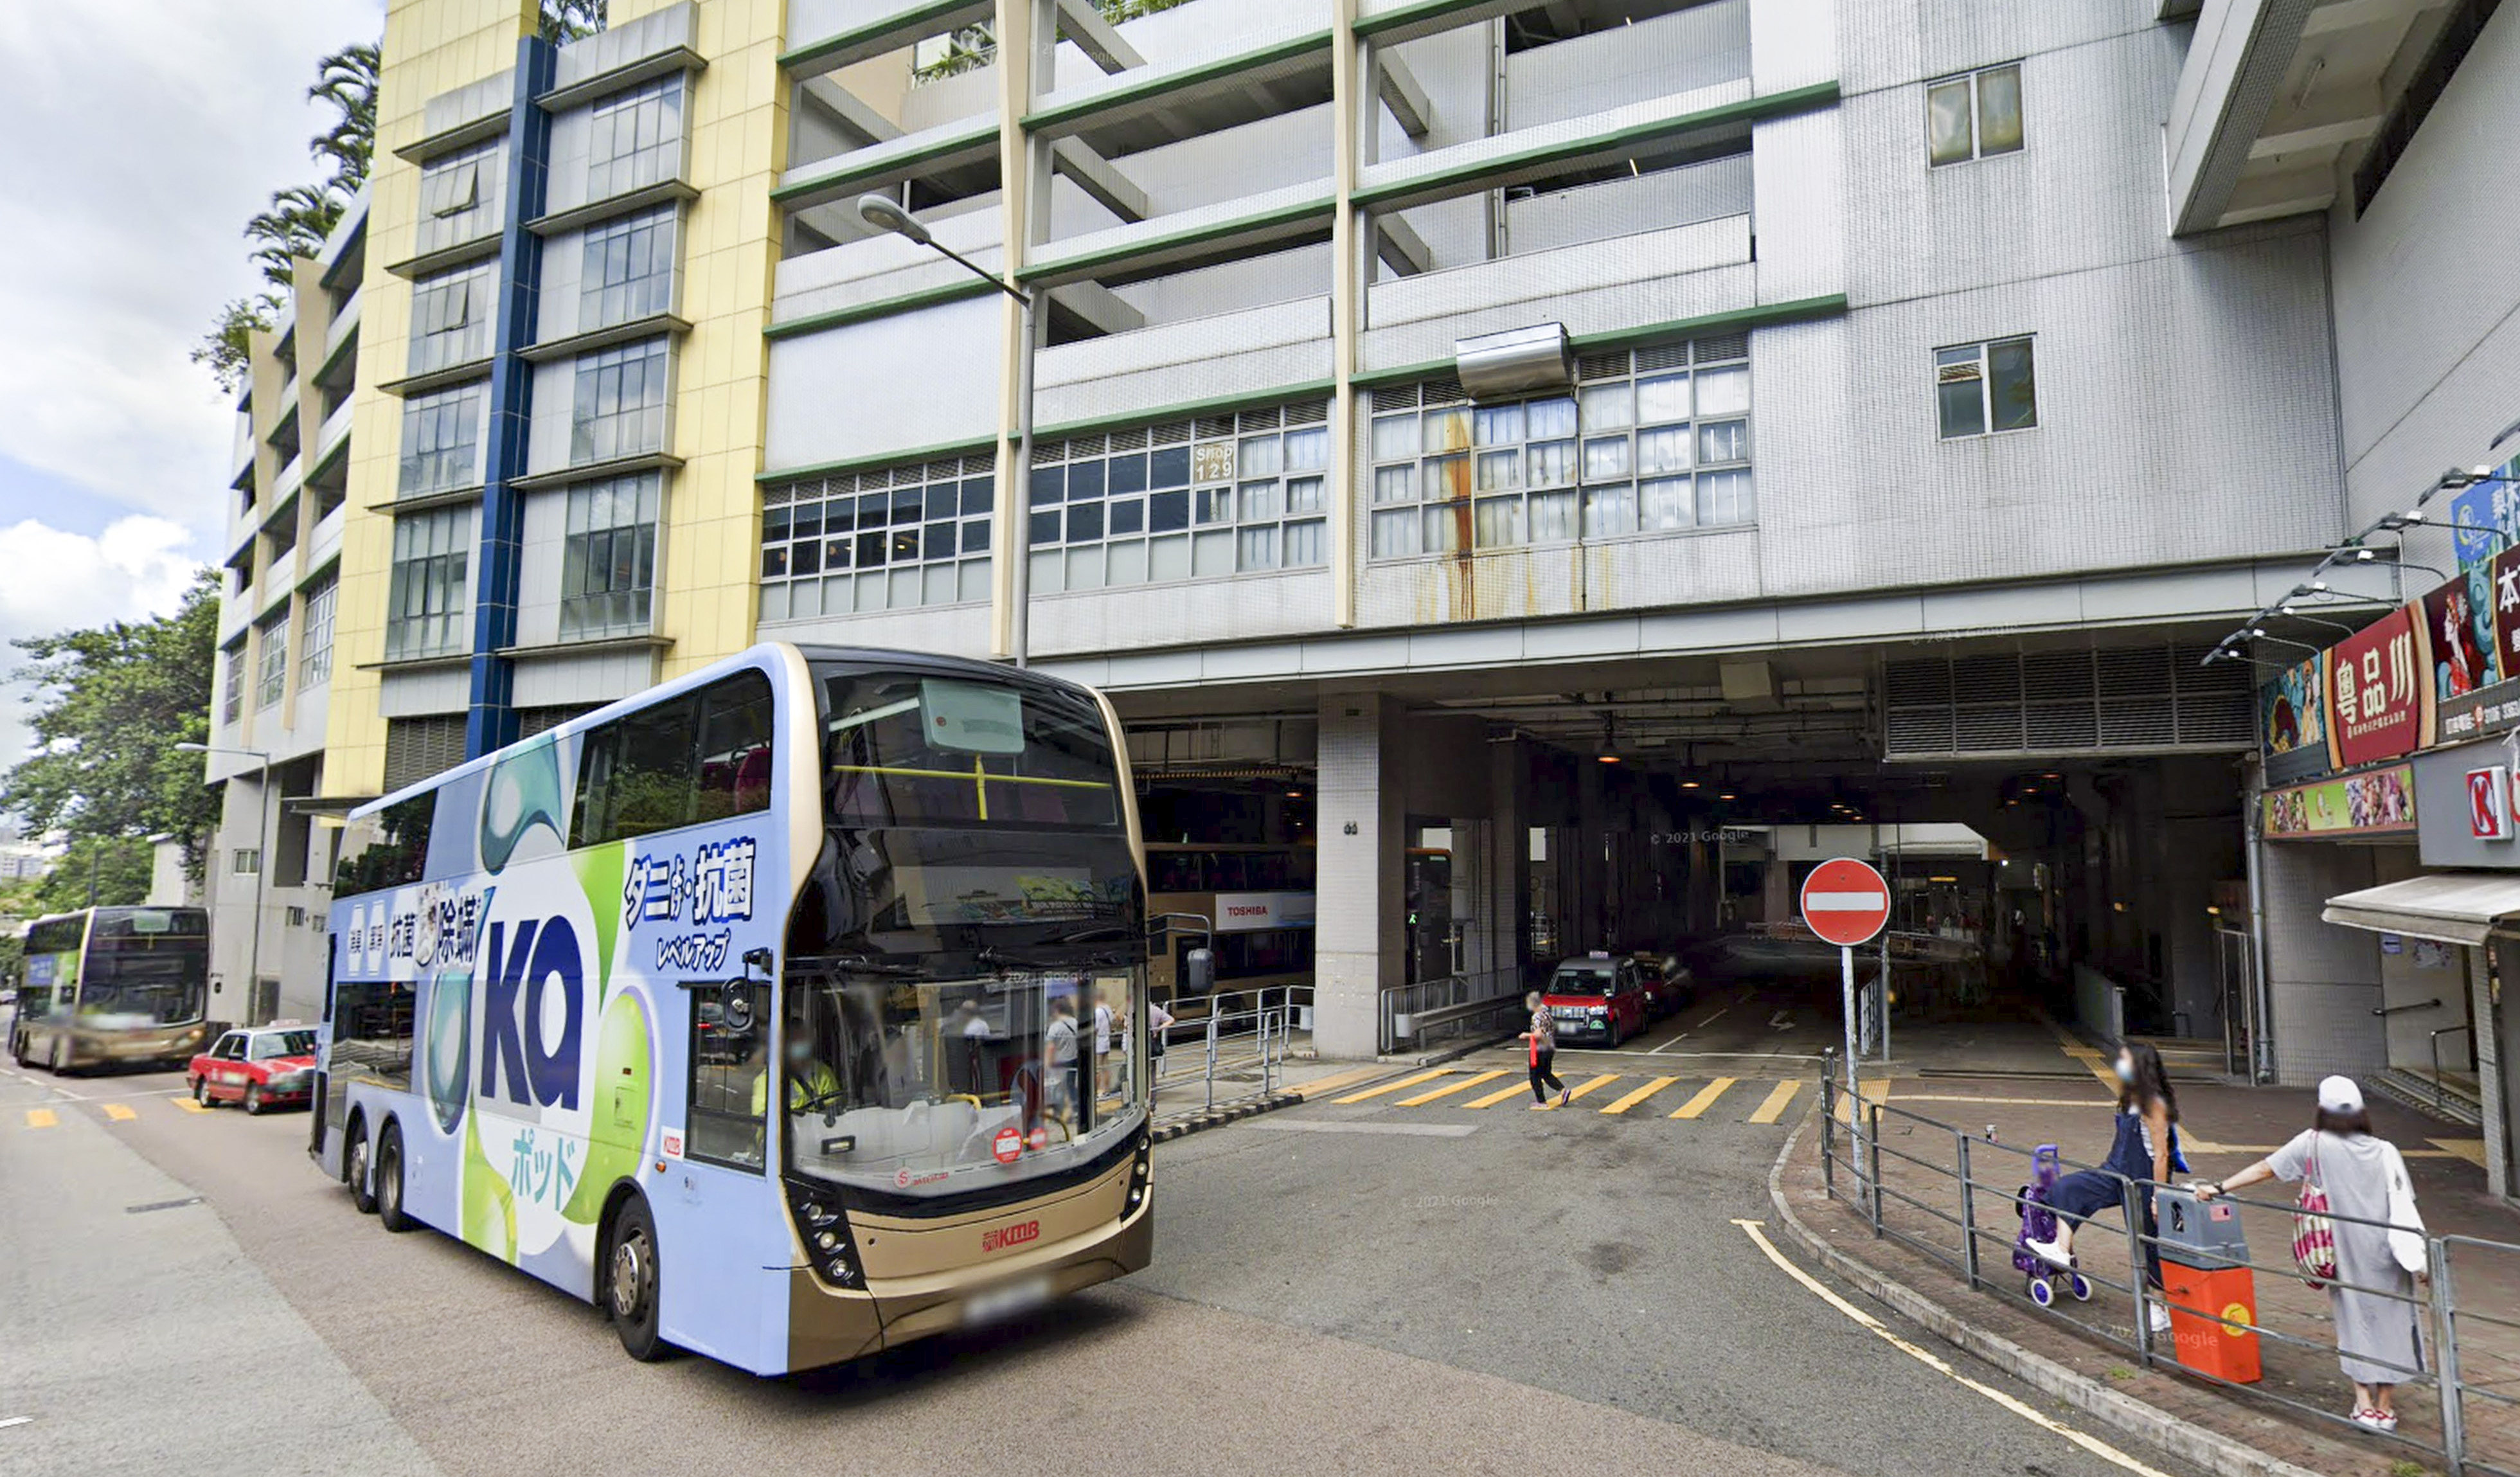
x=2376, y=685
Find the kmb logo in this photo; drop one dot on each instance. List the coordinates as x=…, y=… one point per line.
x=1002, y=1238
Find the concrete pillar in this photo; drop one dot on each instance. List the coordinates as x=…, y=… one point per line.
x=2322, y=980
x=1504, y=909
x=2492, y=1073
x=1363, y=830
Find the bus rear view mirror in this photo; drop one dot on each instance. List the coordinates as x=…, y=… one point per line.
x=1201, y=964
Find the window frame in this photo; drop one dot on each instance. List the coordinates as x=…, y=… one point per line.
x=431, y=568
x=640, y=294
x=433, y=457
x=450, y=318
x=315, y=636
x=837, y=545
x=596, y=434
x=1235, y=495
x=582, y=540
x=593, y=811
x=1591, y=438
x=694, y=1142
x=1983, y=362
x=271, y=663
x=612, y=170
x=1975, y=80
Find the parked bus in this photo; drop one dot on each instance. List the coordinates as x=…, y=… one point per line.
x=107, y=986
x=1258, y=900
x=768, y=1009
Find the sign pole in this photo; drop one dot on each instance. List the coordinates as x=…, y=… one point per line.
x=1846, y=963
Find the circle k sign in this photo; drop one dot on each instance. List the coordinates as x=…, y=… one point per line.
x=1845, y=902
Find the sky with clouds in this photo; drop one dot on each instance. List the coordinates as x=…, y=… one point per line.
x=141, y=135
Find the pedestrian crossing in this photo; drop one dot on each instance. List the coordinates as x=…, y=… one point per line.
x=51, y=1116
x=1609, y=1094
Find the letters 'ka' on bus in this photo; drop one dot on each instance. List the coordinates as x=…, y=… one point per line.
x=791, y=1010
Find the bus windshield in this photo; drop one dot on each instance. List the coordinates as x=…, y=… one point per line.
x=935, y=1087
x=902, y=749
x=144, y=969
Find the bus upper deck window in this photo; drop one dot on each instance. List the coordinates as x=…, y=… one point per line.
x=971, y=717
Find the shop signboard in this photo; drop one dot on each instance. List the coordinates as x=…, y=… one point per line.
x=2373, y=803
x=2378, y=703
x=2488, y=803
x=2468, y=814
x=2458, y=625
x=2292, y=721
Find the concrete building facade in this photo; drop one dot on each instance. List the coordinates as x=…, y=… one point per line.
x=1885, y=431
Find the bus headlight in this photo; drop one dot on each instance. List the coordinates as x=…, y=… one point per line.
x=829, y=1248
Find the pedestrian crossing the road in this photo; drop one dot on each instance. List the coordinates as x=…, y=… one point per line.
x=102, y=1110
x=1610, y=1095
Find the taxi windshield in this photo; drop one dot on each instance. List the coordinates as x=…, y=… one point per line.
x=1583, y=979
x=270, y=1045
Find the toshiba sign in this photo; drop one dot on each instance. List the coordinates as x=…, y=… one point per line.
x=1244, y=911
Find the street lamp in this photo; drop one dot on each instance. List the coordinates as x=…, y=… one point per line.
x=261, y=857
x=885, y=214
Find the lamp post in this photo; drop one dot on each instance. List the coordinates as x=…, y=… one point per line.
x=261, y=857
x=885, y=214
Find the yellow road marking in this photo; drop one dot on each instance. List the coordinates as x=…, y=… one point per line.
x=1872, y=1090
x=1464, y=1084
x=118, y=1113
x=2022, y=1409
x=1340, y=1082
x=41, y=1118
x=1393, y=1086
x=1493, y=1099
x=1640, y=1094
x=1705, y=1098
x=1774, y=1107
x=1602, y=1081
x=2470, y=1150
x=189, y=1106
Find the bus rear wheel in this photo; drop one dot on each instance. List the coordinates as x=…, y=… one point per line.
x=633, y=1282
x=389, y=1211
x=354, y=1163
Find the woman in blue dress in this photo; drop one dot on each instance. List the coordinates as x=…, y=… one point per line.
x=2145, y=1150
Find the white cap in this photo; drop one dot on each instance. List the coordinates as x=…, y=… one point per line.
x=2339, y=1095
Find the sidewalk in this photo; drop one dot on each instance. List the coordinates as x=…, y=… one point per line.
x=2223, y=1129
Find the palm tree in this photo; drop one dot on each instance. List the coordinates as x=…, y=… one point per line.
x=347, y=80
x=300, y=217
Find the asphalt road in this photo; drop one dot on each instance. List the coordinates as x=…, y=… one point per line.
x=1387, y=1290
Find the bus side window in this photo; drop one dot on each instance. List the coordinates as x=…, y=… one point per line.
x=731, y=1079
x=735, y=748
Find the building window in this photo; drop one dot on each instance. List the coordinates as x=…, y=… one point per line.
x=424, y=608
x=246, y=862
x=441, y=440
x=1973, y=116
x=1983, y=387
x=620, y=408
x=315, y=646
x=458, y=196
x=629, y=270
x=232, y=692
x=271, y=640
x=637, y=135
x=609, y=563
x=1241, y=494
x=1654, y=442
x=885, y=540
x=450, y=319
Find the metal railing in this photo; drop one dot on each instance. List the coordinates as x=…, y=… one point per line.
x=1935, y=1197
x=1238, y=1052
x=1456, y=1005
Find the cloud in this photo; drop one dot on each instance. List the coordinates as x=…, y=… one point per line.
x=142, y=136
x=135, y=568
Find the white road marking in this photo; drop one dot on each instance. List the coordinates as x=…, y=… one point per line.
x=2092, y=1444
x=15, y=1420
x=1700, y=1026
x=1408, y=1130
x=1783, y=1020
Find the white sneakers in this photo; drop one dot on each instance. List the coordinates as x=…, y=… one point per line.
x=2376, y=1420
x=2051, y=1252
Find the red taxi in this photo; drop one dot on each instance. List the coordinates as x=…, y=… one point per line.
x=1595, y=1000
x=259, y=1068
x=1667, y=983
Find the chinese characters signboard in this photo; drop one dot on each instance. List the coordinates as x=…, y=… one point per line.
x=2376, y=692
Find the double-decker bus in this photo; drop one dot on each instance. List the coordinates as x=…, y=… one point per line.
x=108, y=986
x=762, y=1008
x=1258, y=899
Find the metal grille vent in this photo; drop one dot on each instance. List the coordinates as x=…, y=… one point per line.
x=1403, y=398
x=2120, y=699
x=418, y=747
x=1723, y=346
x=1662, y=357
x=1310, y=413
x=1602, y=366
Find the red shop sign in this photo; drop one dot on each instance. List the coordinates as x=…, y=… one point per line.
x=2378, y=687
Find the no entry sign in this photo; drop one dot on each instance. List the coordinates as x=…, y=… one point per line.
x=1845, y=900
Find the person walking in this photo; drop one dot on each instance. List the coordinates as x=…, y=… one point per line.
x=2377, y=1266
x=1543, y=1037
x=2145, y=1150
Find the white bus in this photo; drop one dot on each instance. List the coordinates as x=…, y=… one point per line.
x=762, y=1007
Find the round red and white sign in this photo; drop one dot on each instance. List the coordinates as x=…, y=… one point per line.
x=1845, y=902
x=1038, y=1139
x=1008, y=1146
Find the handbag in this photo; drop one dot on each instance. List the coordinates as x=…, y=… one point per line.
x=2408, y=1242
x=2314, y=1231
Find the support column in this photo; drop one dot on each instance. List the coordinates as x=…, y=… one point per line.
x=1362, y=830
x=2493, y=1068
x=1504, y=901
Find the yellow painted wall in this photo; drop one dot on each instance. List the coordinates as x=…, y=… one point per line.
x=430, y=47
x=710, y=545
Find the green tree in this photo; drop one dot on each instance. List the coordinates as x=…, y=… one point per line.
x=109, y=706
x=226, y=350
x=347, y=81
x=114, y=870
x=565, y=20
